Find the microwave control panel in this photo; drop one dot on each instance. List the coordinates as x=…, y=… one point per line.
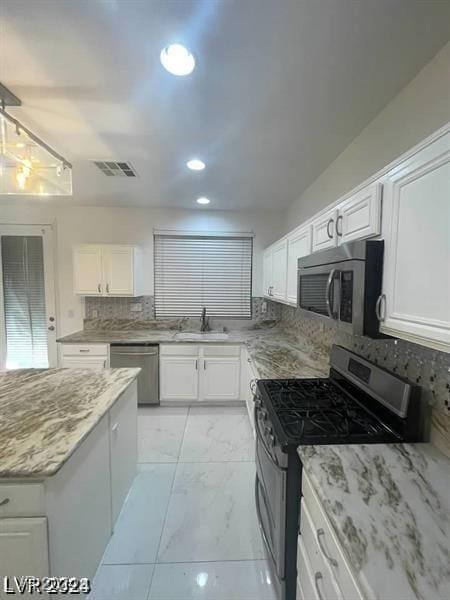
x=346, y=308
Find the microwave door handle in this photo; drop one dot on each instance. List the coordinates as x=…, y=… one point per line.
x=328, y=293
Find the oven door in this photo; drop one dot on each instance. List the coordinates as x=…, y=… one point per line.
x=334, y=293
x=270, y=498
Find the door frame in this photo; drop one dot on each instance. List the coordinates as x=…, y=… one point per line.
x=48, y=239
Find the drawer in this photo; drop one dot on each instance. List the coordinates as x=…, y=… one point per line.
x=179, y=350
x=84, y=350
x=308, y=536
x=213, y=350
x=329, y=546
x=22, y=500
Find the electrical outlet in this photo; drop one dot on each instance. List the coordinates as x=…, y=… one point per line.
x=264, y=307
x=136, y=307
x=94, y=313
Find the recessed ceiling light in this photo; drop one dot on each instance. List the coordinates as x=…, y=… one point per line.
x=177, y=59
x=203, y=200
x=195, y=164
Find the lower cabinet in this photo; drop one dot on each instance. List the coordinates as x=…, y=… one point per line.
x=322, y=569
x=199, y=373
x=23, y=542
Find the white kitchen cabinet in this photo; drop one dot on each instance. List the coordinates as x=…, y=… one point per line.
x=123, y=436
x=84, y=356
x=267, y=272
x=179, y=378
x=23, y=547
x=221, y=378
x=249, y=377
x=107, y=270
x=359, y=216
x=324, y=231
x=279, y=270
x=415, y=304
x=298, y=245
x=88, y=270
x=191, y=373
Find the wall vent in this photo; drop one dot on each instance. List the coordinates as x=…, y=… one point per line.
x=115, y=169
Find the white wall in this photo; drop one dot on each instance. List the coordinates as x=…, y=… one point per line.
x=80, y=224
x=421, y=108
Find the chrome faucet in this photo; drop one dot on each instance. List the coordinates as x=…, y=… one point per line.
x=205, y=321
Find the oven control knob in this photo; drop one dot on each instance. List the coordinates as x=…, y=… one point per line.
x=264, y=414
x=257, y=401
x=272, y=440
x=268, y=431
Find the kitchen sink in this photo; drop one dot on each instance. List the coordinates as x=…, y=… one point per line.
x=208, y=335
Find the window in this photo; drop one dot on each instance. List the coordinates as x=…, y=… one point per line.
x=192, y=272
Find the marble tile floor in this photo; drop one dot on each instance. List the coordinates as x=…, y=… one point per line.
x=188, y=528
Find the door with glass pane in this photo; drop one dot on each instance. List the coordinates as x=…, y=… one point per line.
x=27, y=297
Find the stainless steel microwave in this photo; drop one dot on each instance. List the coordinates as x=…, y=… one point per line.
x=342, y=285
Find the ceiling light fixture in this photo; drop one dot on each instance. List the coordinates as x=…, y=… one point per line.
x=195, y=164
x=203, y=200
x=177, y=59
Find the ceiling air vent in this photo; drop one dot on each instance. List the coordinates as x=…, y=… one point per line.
x=115, y=169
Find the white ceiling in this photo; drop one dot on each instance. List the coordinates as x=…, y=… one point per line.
x=281, y=87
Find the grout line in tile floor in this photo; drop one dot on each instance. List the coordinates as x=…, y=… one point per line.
x=168, y=501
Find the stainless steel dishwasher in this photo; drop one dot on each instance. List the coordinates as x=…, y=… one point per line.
x=145, y=356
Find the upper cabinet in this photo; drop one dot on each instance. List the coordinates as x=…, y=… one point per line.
x=415, y=304
x=299, y=244
x=107, y=270
x=279, y=270
x=324, y=231
x=356, y=218
x=360, y=215
x=267, y=271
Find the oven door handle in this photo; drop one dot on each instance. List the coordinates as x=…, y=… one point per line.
x=331, y=314
x=260, y=521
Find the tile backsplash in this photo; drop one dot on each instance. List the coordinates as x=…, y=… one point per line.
x=428, y=368
x=124, y=308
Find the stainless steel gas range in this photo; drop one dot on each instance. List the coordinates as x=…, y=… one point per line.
x=360, y=403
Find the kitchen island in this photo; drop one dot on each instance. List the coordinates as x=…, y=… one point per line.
x=67, y=461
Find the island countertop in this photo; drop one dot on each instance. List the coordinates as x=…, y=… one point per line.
x=390, y=508
x=45, y=414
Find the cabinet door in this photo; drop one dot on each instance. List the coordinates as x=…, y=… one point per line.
x=416, y=223
x=299, y=244
x=123, y=435
x=279, y=270
x=360, y=216
x=87, y=270
x=220, y=378
x=267, y=275
x=178, y=378
x=73, y=362
x=118, y=270
x=24, y=547
x=324, y=231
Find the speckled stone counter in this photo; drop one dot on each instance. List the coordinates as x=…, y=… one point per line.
x=275, y=353
x=46, y=413
x=390, y=508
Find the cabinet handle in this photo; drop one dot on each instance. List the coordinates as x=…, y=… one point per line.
x=341, y=219
x=4, y=502
x=330, y=222
x=329, y=558
x=196, y=364
x=84, y=350
x=99, y=287
x=204, y=364
x=115, y=428
x=318, y=577
x=107, y=288
x=380, y=316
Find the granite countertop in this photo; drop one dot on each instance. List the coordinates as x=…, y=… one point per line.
x=274, y=352
x=390, y=508
x=45, y=414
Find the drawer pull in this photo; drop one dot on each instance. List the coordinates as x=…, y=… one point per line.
x=4, y=502
x=84, y=350
x=318, y=577
x=331, y=560
x=115, y=428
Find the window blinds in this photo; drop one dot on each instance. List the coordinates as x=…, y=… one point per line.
x=192, y=272
x=24, y=302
